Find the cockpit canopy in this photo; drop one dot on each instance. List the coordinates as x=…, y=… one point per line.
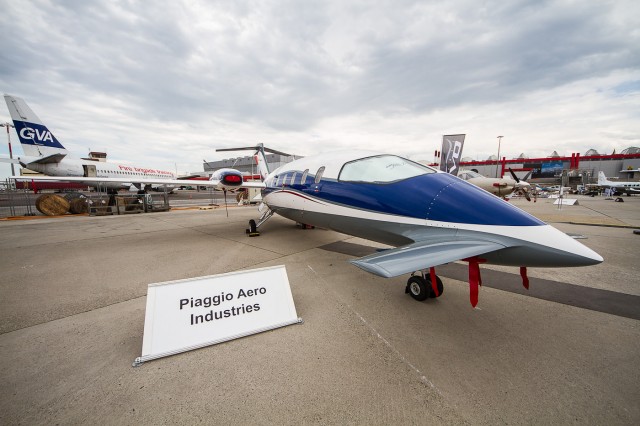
x=382, y=169
x=469, y=174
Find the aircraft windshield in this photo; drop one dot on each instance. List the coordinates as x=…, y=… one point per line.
x=382, y=169
x=469, y=174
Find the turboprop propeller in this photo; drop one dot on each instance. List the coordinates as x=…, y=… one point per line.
x=522, y=187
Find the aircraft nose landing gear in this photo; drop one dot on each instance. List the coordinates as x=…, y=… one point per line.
x=421, y=287
x=252, y=231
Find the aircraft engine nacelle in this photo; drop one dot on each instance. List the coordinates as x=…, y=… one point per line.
x=227, y=178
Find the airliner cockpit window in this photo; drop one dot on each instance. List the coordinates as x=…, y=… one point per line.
x=382, y=169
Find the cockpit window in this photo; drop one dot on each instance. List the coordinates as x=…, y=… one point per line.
x=382, y=169
x=468, y=174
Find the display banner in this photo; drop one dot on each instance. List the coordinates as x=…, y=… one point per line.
x=189, y=314
x=451, y=153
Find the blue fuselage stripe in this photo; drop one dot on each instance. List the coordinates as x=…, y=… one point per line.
x=435, y=196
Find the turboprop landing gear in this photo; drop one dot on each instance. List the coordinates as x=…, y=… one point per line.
x=252, y=231
x=421, y=287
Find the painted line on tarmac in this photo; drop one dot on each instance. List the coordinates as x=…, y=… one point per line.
x=594, y=299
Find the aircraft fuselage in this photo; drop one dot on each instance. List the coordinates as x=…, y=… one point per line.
x=429, y=206
x=69, y=167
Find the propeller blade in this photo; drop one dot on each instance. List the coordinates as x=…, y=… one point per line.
x=514, y=175
x=236, y=149
x=273, y=151
x=254, y=148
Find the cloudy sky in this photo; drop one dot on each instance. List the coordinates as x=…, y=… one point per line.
x=162, y=84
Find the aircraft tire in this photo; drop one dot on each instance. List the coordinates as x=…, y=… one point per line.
x=253, y=229
x=417, y=288
x=438, y=283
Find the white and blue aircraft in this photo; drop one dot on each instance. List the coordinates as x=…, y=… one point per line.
x=430, y=217
x=45, y=154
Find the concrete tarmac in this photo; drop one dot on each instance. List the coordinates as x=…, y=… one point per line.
x=73, y=296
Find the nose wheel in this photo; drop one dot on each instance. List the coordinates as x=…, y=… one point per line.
x=421, y=288
x=252, y=230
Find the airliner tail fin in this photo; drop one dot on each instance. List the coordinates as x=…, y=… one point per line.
x=36, y=139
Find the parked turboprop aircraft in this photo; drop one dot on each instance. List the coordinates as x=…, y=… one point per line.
x=629, y=187
x=501, y=187
x=431, y=217
x=45, y=154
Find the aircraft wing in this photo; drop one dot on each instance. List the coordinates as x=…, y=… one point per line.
x=134, y=179
x=422, y=255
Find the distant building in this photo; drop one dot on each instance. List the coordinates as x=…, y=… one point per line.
x=582, y=169
x=97, y=156
x=247, y=164
x=631, y=150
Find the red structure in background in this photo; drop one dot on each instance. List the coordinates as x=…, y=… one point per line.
x=574, y=161
x=60, y=186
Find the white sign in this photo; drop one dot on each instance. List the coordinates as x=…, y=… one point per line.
x=566, y=201
x=188, y=314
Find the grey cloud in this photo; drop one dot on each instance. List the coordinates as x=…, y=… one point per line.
x=534, y=47
x=289, y=65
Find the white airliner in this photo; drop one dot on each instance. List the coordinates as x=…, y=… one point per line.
x=45, y=154
x=431, y=217
x=630, y=187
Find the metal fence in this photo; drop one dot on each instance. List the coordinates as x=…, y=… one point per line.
x=15, y=202
x=18, y=202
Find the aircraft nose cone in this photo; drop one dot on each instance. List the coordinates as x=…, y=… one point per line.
x=591, y=257
x=546, y=247
x=571, y=252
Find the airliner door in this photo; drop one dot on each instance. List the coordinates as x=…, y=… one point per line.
x=89, y=170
